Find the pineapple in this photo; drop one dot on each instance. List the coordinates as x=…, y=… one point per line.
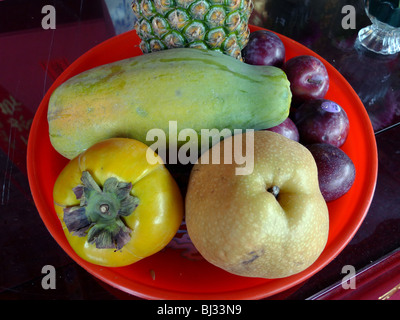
x=220, y=25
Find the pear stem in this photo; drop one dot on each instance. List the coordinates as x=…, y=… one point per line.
x=274, y=190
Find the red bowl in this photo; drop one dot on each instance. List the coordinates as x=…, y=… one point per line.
x=178, y=271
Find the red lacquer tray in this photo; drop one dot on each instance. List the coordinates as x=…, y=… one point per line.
x=179, y=272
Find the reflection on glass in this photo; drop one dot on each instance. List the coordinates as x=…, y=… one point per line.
x=383, y=36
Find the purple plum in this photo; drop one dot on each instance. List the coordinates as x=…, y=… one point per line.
x=336, y=171
x=322, y=120
x=264, y=48
x=308, y=78
x=288, y=129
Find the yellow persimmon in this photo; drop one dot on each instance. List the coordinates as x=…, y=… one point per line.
x=115, y=207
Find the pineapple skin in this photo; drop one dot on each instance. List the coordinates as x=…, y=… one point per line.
x=219, y=25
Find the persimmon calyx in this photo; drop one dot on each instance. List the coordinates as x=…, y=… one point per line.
x=100, y=212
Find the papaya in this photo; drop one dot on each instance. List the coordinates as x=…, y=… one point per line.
x=198, y=89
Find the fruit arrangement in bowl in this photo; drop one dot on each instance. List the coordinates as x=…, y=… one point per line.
x=259, y=223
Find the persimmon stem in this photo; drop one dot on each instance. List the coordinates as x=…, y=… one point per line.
x=104, y=208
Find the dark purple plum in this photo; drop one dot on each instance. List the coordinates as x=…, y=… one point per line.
x=336, y=171
x=288, y=129
x=322, y=120
x=308, y=78
x=264, y=48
